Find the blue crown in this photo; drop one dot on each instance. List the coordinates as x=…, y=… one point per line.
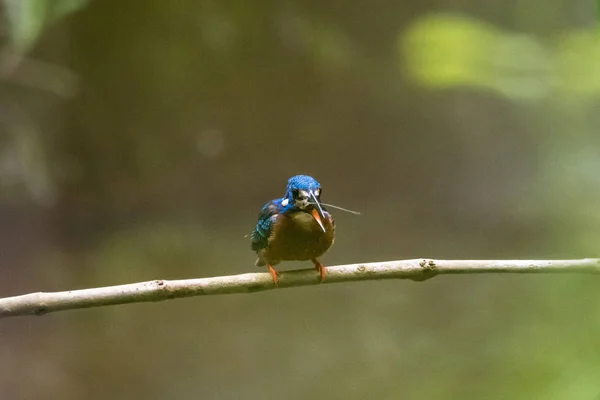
x=301, y=182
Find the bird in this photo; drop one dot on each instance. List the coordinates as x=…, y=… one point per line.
x=294, y=227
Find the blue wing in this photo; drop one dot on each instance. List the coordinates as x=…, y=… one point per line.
x=264, y=226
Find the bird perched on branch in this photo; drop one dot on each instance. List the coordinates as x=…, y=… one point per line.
x=294, y=227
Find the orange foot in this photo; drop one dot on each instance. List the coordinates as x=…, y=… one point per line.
x=321, y=268
x=274, y=274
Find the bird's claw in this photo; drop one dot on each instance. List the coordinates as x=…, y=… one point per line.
x=274, y=275
x=321, y=268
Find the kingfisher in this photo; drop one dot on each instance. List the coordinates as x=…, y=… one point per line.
x=294, y=227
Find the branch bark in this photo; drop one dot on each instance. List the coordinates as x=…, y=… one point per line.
x=159, y=290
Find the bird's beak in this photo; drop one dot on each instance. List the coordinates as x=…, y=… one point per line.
x=317, y=217
x=317, y=214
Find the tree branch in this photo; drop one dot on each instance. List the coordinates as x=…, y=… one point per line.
x=159, y=290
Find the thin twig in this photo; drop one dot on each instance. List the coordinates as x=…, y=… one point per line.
x=159, y=290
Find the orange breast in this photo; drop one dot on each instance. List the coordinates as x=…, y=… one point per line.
x=298, y=236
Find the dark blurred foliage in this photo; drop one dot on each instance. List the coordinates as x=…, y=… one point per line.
x=139, y=140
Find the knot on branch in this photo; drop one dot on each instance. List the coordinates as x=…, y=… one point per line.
x=40, y=310
x=161, y=286
x=428, y=270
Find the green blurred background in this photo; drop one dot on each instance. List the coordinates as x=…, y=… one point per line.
x=139, y=140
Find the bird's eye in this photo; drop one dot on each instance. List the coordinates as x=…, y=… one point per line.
x=295, y=193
